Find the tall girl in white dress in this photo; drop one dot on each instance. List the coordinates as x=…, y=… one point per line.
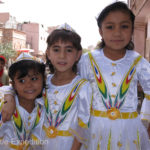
x=114, y=71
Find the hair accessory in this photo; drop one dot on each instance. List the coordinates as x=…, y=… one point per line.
x=26, y=56
x=66, y=27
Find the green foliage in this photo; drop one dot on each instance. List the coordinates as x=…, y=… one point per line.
x=7, y=51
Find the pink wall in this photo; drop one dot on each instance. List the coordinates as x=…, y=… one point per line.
x=4, y=17
x=32, y=32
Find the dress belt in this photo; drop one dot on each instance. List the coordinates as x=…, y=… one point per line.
x=123, y=115
x=53, y=132
x=22, y=146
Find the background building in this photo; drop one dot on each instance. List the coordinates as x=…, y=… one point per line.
x=26, y=35
x=141, y=38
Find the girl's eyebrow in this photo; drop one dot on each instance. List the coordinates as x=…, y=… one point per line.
x=125, y=21
x=55, y=46
x=69, y=46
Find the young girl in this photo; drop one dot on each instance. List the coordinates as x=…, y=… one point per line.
x=25, y=128
x=114, y=71
x=68, y=97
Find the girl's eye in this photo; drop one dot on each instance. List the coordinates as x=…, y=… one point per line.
x=125, y=26
x=34, y=78
x=69, y=50
x=55, y=49
x=109, y=27
x=21, y=80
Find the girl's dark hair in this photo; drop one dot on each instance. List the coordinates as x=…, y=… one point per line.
x=23, y=67
x=65, y=36
x=117, y=6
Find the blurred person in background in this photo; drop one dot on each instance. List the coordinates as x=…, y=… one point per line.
x=4, y=79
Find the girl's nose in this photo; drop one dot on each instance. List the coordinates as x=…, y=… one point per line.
x=117, y=31
x=29, y=83
x=62, y=54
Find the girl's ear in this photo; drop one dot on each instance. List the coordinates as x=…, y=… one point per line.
x=13, y=84
x=47, y=53
x=100, y=32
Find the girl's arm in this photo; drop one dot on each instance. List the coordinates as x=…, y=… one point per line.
x=8, y=107
x=76, y=145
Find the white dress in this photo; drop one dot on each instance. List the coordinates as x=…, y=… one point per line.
x=74, y=116
x=128, y=132
x=8, y=135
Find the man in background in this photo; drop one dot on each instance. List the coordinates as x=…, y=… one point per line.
x=4, y=79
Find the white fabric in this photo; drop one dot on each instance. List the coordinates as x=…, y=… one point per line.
x=26, y=56
x=6, y=89
x=80, y=109
x=122, y=130
x=7, y=130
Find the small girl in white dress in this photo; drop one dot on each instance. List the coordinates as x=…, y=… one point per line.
x=24, y=131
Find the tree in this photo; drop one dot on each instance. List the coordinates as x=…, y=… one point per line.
x=7, y=51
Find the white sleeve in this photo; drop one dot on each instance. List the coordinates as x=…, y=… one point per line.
x=83, y=66
x=80, y=127
x=144, y=79
x=7, y=90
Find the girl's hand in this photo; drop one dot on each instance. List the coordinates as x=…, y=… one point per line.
x=76, y=145
x=8, y=108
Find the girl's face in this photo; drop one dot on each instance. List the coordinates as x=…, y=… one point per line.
x=63, y=55
x=28, y=87
x=116, y=30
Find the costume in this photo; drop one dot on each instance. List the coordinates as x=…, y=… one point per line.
x=23, y=126
x=69, y=113
x=114, y=123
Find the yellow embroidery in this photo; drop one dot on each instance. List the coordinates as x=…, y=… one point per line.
x=147, y=96
x=119, y=144
x=82, y=124
x=113, y=64
x=29, y=117
x=113, y=96
x=55, y=111
x=113, y=113
x=22, y=146
x=55, y=102
x=55, y=92
x=134, y=141
x=113, y=73
x=113, y=84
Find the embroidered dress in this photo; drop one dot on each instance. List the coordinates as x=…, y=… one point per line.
x=69, y=112
x=115, y=123
x=23, y=126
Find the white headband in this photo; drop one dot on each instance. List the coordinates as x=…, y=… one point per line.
x=66, y=27
x=26, y=56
